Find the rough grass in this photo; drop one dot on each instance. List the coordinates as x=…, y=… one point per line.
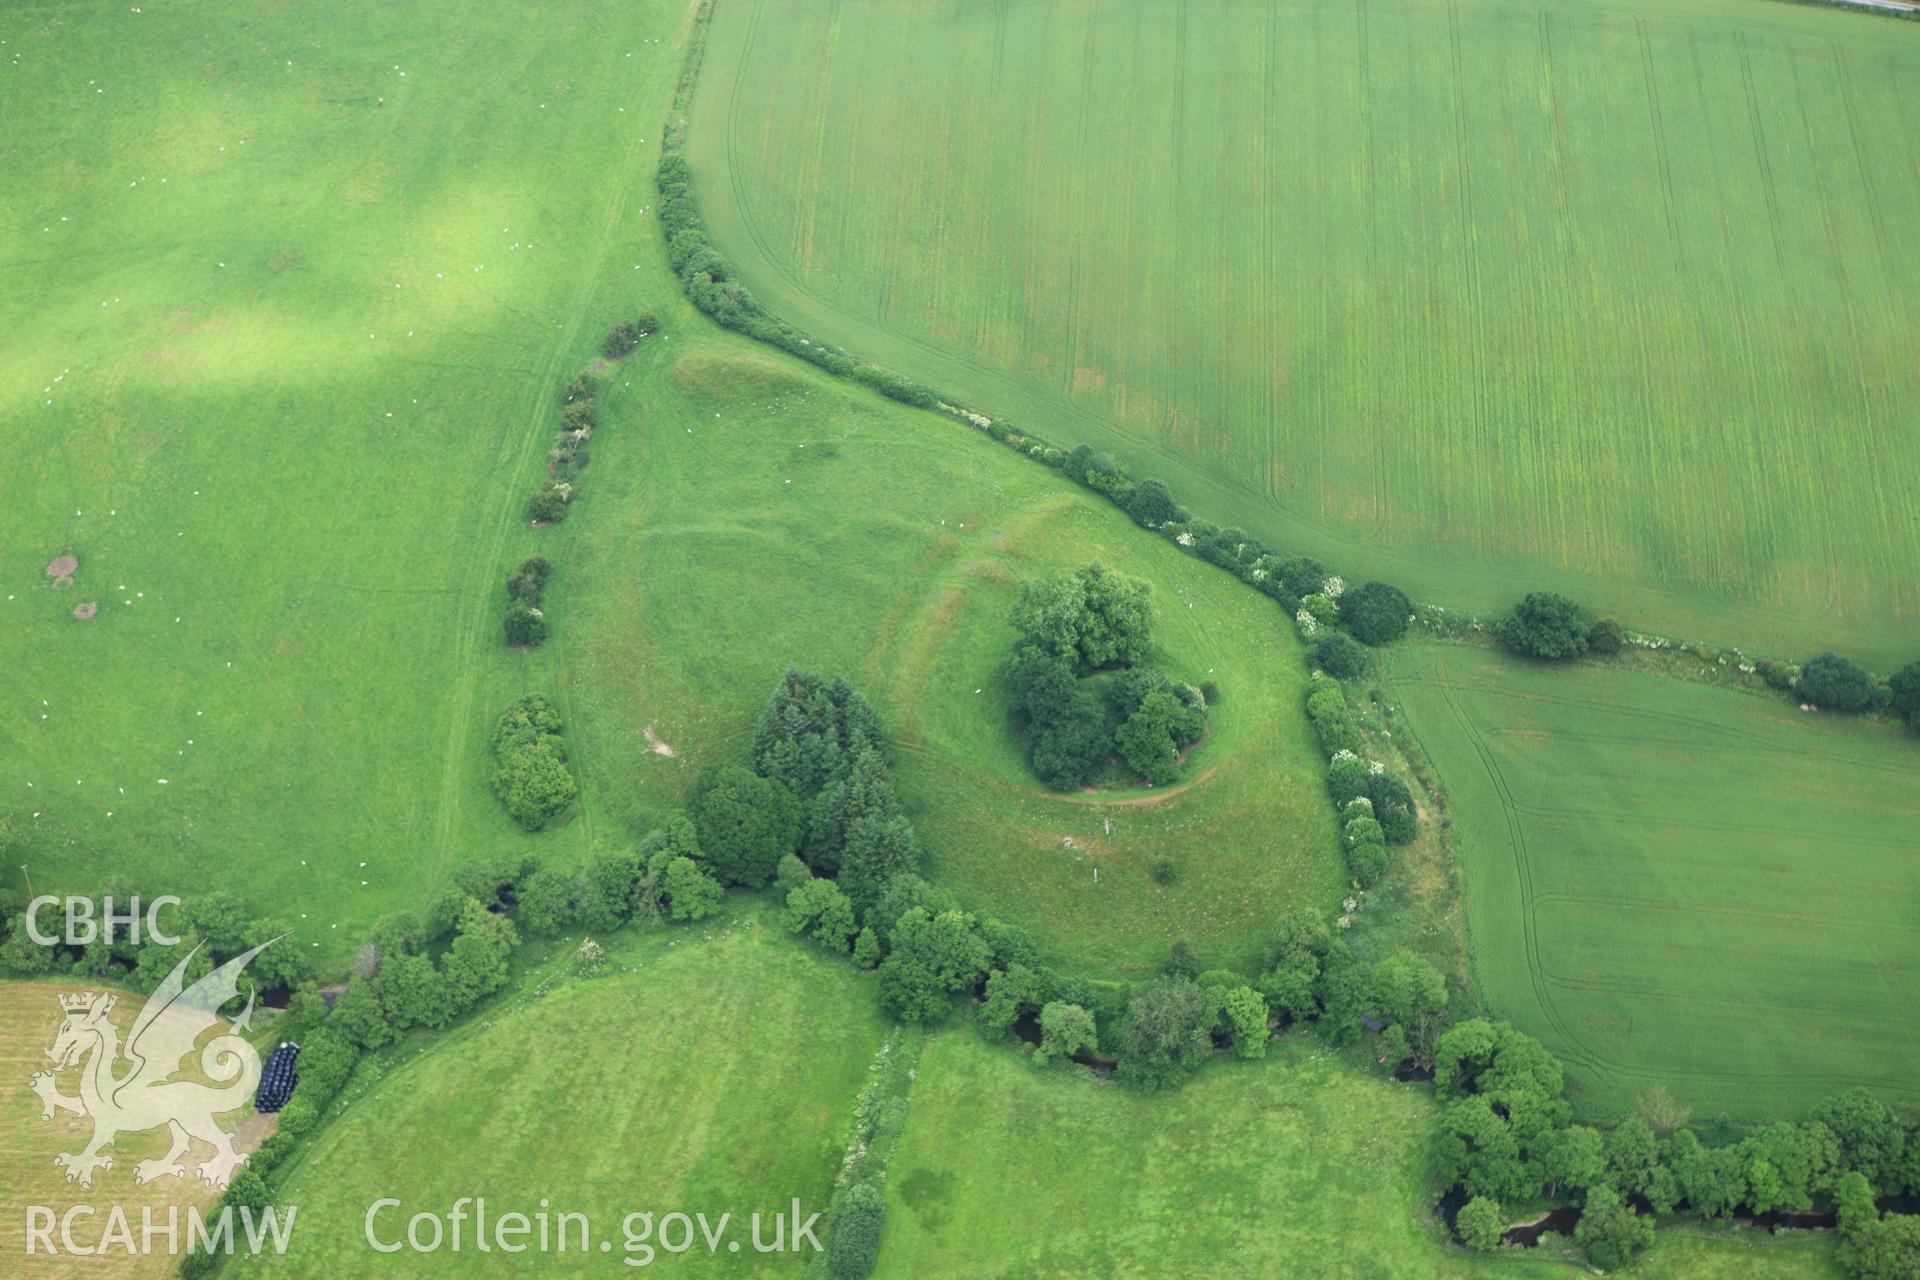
x=707, y=1069
x=290, y=297
x=755, y=521
x=1676, y=884
x=1296, y=1166
x=1601, y=296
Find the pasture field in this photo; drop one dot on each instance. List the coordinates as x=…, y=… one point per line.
x=710, y=1069
x=290, y=295
x=1298, y=1167
x=1600, y=296
x=763, y=515
x=1670, y=883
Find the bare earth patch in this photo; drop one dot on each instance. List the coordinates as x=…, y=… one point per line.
x=61, y=570
x=86, y=610
x=656, y=745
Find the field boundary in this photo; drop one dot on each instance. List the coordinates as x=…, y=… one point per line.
x=708, y=283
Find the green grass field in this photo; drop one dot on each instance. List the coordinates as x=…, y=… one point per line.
x=715, y=1069
x=239, y=236
x=706, y=1070
x=760, y=515
x=1602, y=296
x=1297, y=1167
x=1675, y=884
x=289, y=300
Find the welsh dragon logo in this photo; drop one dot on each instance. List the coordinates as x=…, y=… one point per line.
x=146, y=1095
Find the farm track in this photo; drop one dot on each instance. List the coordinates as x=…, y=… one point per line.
x=521, y=456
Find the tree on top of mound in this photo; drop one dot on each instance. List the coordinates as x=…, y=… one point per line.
x=1093, y=617
x=1152, y=737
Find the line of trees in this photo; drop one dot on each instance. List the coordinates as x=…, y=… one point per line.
x=398, y=984
x=216, y=923
x=1376, y=614
x=1506, y=1137
x=1163, y=1028
x=710, y=285
x=1545, y=625
x=856, y=1214
x=423, y=968
x=1375, y=808
x=851, y=883
x=579, y=418
x=1552, y=628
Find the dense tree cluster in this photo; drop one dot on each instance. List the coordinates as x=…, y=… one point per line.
x=1167, y=1031
x=530, y=772
x=1077, y=624
x=1508, y=1121
x=419, y=969
x=1091, y=618
x=548, y=503
x=1339, y=655
x=1904, y=694
x=409, y=988
x=1606, y=638
x=667, y=876
x=820, y=743
x=1873, y=1245
x=1375, y=612
x=848, y=869
x=1834, y=683
x=526, y=624
x=1548, y=626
